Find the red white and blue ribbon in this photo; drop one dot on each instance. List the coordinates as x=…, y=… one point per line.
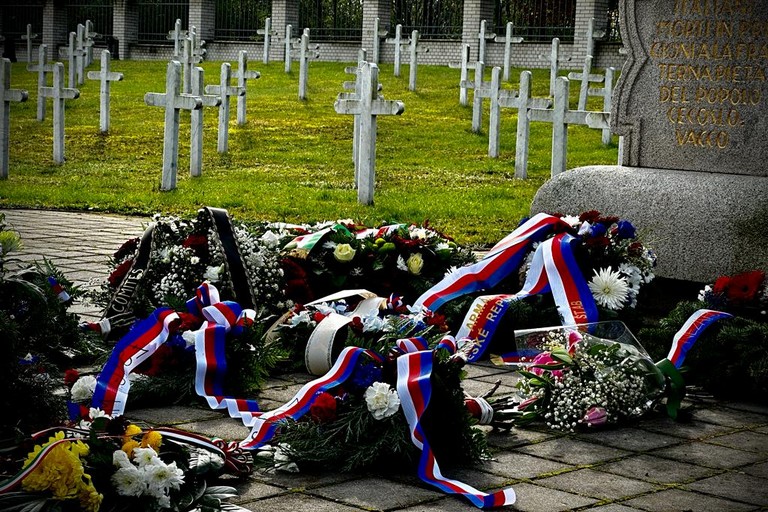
x=266, y=425
x=140, y=343
x=690, y=332
x=414, y=389
x=504, y=258
x=59, y=290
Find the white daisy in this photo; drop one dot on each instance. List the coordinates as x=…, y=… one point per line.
x=609, y=289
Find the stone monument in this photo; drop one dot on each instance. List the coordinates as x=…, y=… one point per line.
x=691, y=104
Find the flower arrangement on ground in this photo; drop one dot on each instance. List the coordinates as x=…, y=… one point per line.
x=585, y=376
x=114, y=465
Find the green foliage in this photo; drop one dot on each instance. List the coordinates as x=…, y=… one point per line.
x=293, y=159
x=730, y=359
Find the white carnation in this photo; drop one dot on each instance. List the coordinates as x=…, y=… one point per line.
x=83, y=389
x=382, y=400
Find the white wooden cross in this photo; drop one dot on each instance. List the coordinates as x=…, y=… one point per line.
x=225, y=91
x=508, y=39
x=267, y=33
x=591, y=36
x=368, y=105
x=482, y=37
x=177, y=35
x=59, y=94
x=605, y=92
x=80, y=54
x=7, y=95
x=90, y=35
x=522, y=101
x=288, y=43
x=482, y=90
x=196, y=116
x=554, y=64
x=397, y=41
x=378, y=35
x=42, y=68
x=304, y=57
x=243, y=75
x=194, y=53
x=105, y=76
x=75, y=55
x=561, y=116
x=28, y=37
x=173, y=101
x=585, y=77
x=463, y=79
x=414, y=51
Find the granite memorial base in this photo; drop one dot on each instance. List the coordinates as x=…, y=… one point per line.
x=701, y=225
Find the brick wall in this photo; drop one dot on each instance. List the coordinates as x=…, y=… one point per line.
x=125, y=26
x=202, y=14
x=55, y=25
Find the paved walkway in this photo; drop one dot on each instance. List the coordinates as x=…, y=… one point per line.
x=717, y=462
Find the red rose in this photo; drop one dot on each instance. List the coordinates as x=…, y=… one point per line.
x=117, y=275
x=357, y=325
x=70, y=377
x=635, y=249
x=318, y=317
x=127, y=248
x=198, y=243
x=323, y=409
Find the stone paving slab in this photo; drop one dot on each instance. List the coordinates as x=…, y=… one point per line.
x=717, y=462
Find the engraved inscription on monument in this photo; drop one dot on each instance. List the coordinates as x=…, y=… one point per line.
x=694, y=90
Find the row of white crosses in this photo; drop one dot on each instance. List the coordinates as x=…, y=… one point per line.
x=365, y=104
x=80, y=52
x=413, y=49
x=298, y=49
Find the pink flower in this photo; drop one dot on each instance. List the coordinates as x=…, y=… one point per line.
x=573, y=339
x=595, y=416
x=545, y=358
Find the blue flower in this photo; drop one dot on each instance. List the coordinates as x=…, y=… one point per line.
x=598, y=230
x=625, y=229
x=365, y=375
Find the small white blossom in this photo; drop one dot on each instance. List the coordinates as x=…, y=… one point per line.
x=382, y=400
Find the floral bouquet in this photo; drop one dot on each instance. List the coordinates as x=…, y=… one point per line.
x=584, y=376
x=745, y=294
x=114, y=465
x=403, y=259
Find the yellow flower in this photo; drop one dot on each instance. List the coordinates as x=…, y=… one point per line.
x=132, y=430
x=61, y=470
x=152, y=439
x=415, y=263
x=344, y=253
x=129, y=446
x=90, y=498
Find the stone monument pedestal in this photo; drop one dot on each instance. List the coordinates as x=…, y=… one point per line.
x=702, y=225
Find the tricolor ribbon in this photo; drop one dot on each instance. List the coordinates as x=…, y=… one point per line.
x=305, y=243
x=414, y=389
x=59, y=290
x=503, y=259
x=140, y=343
x=690, y=332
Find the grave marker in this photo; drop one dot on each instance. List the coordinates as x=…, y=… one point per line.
x=367, y=106
x=463, y=78
x=71, y=58
x=7, y=95
x=522, y=101
x=397, y=41
x=42, y=68
x=585, y=77
x=243, y=75
x=90, y=34
x=605, y=92
x=561, y=116
x=482, y=90
x=508, y=39
x=177, y=35
x=105, y=76
x=482, y=37
x=414, y=51
x=59, y=94
x=378, y=35
x=288, y=43
x=196, y=116
x=304, y=57
x=225, y=91
x=193, y=54
x=267, y=33
x=80, y=54
x=173, y=101
x=28, y=37
x=554, y=64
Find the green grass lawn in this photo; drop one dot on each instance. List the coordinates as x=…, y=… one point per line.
x=293, y=159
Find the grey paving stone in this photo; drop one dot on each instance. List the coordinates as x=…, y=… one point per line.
x=736, y=486
x=745, y=440
x=280, y=394
x=679, y=500
x=762, y=430
x=710, y=455
x=657, y=470
x=533, y=498
x=749, y=407
x=629, y=439
x=588, y=482
x=573, y=451
x=484, y=369
x=475, y=387
x=517, y=437
x=300, y=481
x=172, y=414
x=377, y=494
x=225, y=428
x=613, y=507
x=693, y=430
x=729, y=417
x=758, y=470
x=297, y=502
x=448, y=504
x=513, y=464
x=249, y=489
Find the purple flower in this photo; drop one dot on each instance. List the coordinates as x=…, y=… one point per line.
x=595, y=416
x=625, y=229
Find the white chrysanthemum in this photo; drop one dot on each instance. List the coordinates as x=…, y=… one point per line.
x=572, y=220
x=609, y=289
x=162, y=476
x=146, y=457
x=120, y=459
x=382, y=400
x=129, y=481
x=372, y=322
x=83, y=388
x=401, y=265
x=213, y=274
